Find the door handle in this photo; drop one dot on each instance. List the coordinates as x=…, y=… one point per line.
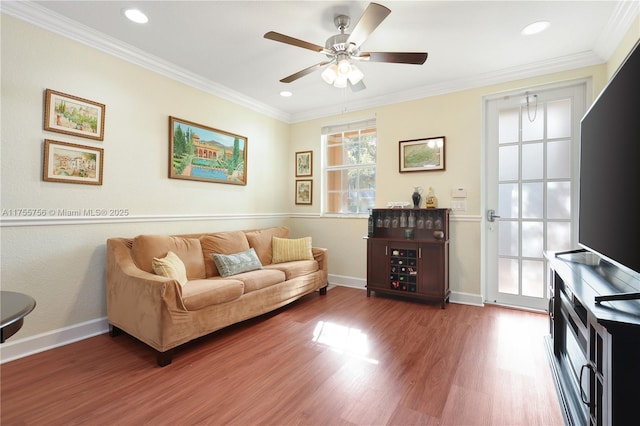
x=491, y=215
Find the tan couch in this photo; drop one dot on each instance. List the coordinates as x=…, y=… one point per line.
x=164, y=314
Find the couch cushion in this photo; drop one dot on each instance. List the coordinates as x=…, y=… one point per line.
x=223, y=243
x=170, y=266
x=232, y=264
x=260, y=240
x=189, y=250
x=255, y=280
x=287, y=250
x=296, y=268
x=198, y=294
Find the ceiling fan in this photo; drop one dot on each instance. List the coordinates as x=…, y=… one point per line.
x=341, y=48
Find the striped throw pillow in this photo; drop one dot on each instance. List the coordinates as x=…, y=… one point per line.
x=288, y=250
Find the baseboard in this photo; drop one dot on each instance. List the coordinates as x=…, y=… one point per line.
x=456, y=297
x=20, y=348
x=466, y=298
x=345, y=281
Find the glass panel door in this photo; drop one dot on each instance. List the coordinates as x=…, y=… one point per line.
x=531, y=169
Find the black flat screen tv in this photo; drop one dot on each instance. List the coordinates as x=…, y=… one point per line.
x=609, y=217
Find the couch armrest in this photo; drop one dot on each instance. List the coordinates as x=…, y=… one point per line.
x=321, y=255
x=138, y=301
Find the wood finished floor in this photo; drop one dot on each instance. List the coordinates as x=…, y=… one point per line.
x=339, y=359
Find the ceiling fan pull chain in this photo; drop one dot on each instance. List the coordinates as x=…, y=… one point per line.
x=535, y=112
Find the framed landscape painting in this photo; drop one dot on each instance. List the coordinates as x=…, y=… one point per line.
x=72, y=163
x=72, y=115
x=304, y=191
x=198, y=152
x=422, y=155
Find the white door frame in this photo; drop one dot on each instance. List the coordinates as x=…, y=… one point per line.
x=484, y=205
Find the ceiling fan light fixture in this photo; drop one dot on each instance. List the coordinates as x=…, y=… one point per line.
x=330, y=73
x=341, y=82
x=344, y=67
x=355, y=75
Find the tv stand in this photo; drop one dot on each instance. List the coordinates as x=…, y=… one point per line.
x=594, y=341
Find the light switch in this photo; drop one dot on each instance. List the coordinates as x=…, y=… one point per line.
x=458, y=204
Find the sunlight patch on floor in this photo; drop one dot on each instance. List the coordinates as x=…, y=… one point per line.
x=344, y=340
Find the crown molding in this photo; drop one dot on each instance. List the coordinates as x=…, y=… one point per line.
x=609, y=38
x=61, y=25
x=616, y=28
x=564, y=63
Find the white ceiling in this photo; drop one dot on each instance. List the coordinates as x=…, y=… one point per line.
x=218, y=46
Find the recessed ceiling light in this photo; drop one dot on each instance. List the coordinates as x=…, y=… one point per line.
x=535, y=28
x=286, y=94
x=136, y=16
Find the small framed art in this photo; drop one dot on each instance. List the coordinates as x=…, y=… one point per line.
x=422, y=155
x=72, y=115
x=304, y=191
x=304, y=163
x=72, y=163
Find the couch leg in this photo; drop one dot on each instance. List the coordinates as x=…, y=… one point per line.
x=114, y=331
x=323, y=290
x=165, y=358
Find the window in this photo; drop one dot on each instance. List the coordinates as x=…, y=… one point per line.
x=349, y=167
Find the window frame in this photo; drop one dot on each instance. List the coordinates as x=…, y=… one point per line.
x=347, y=127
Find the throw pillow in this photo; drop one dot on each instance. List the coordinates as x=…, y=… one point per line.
x=232, y=264
x=228, y=242
x=288, y=250
x=260, y=240
x=170, y=266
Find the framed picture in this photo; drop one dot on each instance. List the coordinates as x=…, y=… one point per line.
x=304, y=163
x=72, y=115
x=198, y=152
x=422, y=155
x=304, y=191
x=71, y=163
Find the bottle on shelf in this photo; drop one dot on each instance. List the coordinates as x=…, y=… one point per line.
x=411, y=221
x=416, y=196
x=431, y=199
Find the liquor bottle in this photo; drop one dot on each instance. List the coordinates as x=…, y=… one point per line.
x=432, y=201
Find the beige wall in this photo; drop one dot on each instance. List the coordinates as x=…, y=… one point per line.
x=62, y=263
x=458, y=117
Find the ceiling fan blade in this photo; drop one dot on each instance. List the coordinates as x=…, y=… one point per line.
x=417, y=58
x=272, y=35
x=373, y=16
x=357, y=87
x=302, y=73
